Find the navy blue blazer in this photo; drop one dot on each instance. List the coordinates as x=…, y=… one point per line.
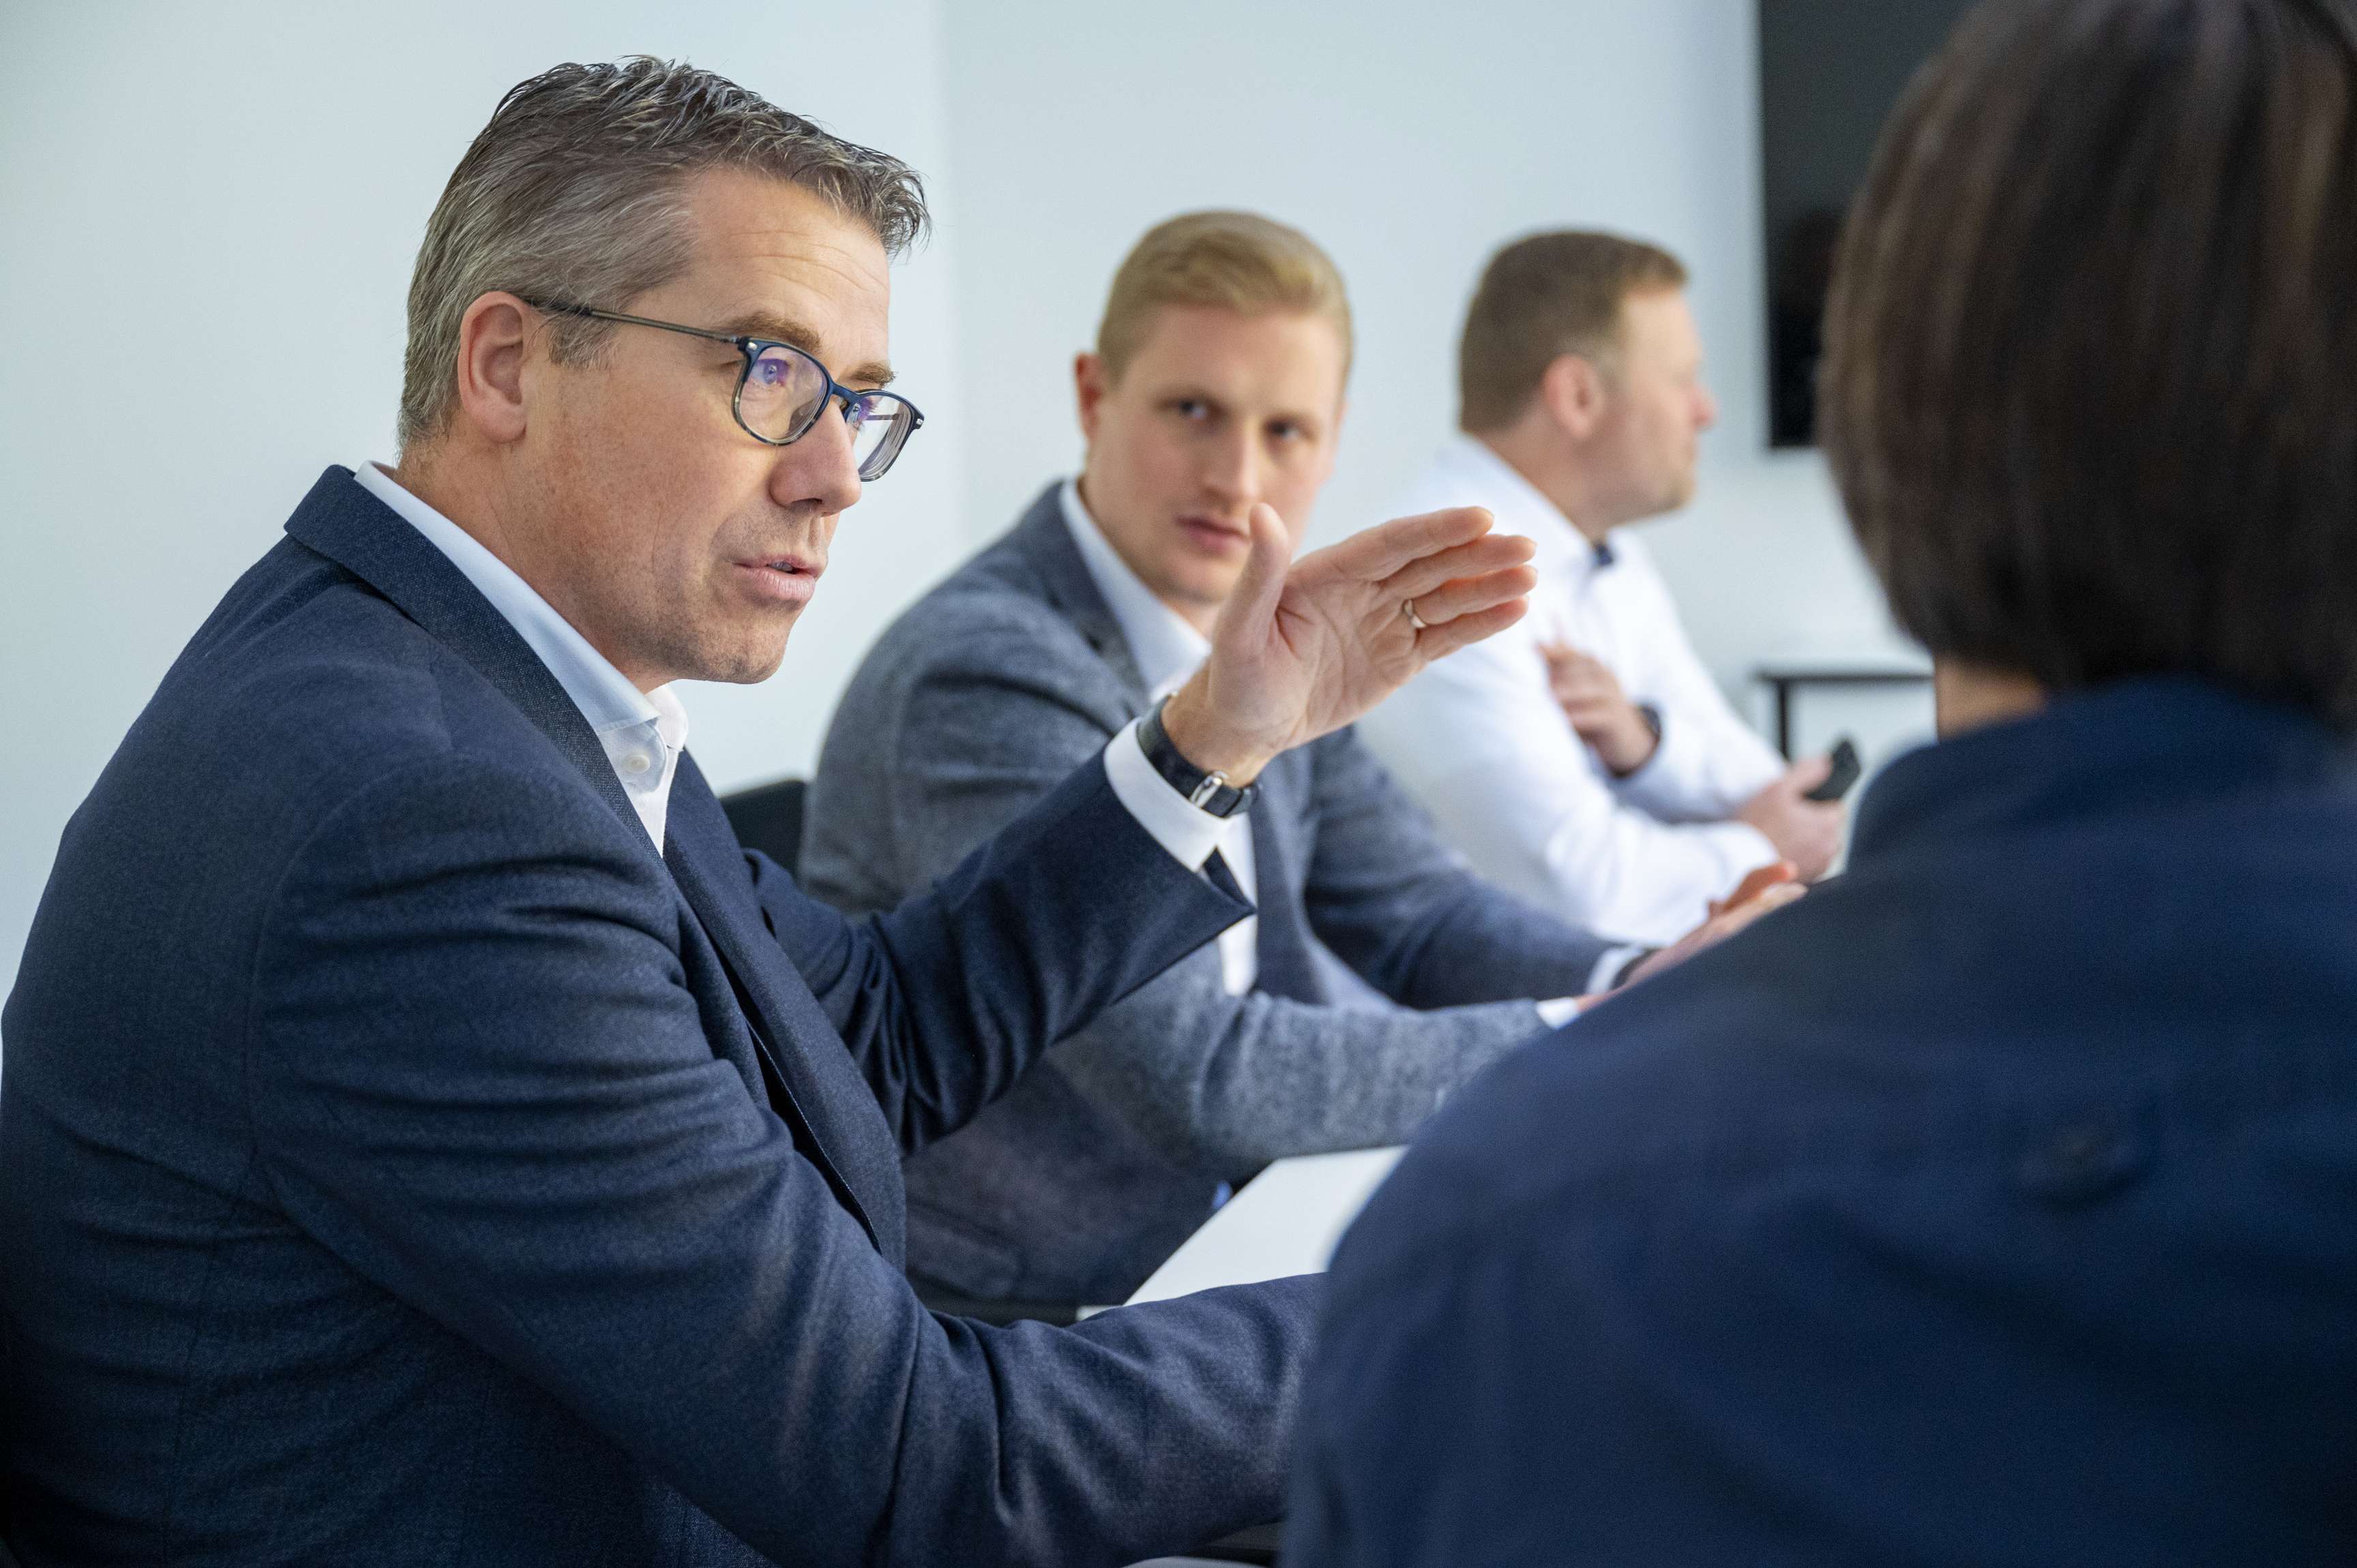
x=400, y=1163
x=1996, y=1204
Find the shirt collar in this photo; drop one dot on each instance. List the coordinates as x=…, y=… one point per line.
x=1522, y=508
x=642, y=733
x=1168, y=650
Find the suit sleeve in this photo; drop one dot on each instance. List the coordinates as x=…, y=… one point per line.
x=1047, y=922
x=477, y=1075
x=1230, y=1082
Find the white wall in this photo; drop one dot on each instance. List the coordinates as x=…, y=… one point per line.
x=1411, y=141
x=218, y=206
x=223, y=201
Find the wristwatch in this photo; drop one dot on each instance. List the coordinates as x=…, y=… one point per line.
x=1207, y=792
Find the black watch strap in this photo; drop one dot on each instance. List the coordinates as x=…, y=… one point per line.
x=1207, y=792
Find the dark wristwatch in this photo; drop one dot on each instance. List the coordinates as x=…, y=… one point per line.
x=1207, y=792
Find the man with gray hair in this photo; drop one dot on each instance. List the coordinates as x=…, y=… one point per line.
x=427, y=1137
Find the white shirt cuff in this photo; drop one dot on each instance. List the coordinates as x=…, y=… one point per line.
x=1187, y=831
x=1556, y=1012
x=1607, y=967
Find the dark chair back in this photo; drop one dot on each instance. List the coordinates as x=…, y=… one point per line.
x=769, y=817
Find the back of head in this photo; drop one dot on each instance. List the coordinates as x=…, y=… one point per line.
x=1228, y=261
x=1542, y=297
x=2091, y=379
x=576, y=190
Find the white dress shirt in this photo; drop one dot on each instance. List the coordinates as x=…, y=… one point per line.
x=1168, y=653
x=1479, y=738
x=644, y=733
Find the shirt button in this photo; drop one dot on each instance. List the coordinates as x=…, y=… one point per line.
x=638, y=762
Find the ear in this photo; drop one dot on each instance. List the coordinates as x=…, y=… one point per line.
x=493, y=345
x=1090, y=384
x=1573, y=391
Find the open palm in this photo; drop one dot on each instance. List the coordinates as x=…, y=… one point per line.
x=1302, y=649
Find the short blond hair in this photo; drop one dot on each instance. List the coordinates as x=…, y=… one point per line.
x=1232, y=260
x=1544, y=296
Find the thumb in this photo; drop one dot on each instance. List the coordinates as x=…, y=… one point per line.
x=1252, y=605
x=1809, y=772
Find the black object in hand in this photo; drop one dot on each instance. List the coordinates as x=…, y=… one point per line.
x=1843, y=776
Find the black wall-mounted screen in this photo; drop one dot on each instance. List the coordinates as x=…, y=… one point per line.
x=1830, y=71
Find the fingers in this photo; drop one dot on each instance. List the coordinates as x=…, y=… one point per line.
x=1490, y=552
x=1743, y=915
x=1563, y=656
x=1809, y=772
x=1446, y=600
x=1379, y=552
x=1439, y=641
x=1761, y=878
x=1756, y=881
x=1253, y=604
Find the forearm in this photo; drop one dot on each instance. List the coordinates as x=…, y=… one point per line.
x=947, y=999
x=1229, y=1083
x=1143, y=1431
x=1466, y=942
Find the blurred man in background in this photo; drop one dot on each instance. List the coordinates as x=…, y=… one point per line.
x=1216, y=385
x=1586, y=759
x=1992, y=1205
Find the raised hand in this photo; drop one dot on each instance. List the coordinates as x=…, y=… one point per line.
x=1600, y=713
x=1298, y=653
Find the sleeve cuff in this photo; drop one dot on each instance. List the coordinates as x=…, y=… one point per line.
x=1607, y=972
x=1556, y=1012
x=1188, y=833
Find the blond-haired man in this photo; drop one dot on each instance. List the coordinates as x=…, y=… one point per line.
x=1216, y=385
x=1586, y=759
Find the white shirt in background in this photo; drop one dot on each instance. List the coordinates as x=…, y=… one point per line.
x=1479, y=738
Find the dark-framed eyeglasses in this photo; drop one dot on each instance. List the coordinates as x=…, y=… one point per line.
x=782, y=389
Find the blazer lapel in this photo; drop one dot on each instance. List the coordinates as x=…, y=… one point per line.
x=822, y=1088
x=370, y=540
x=825, y=1097
x=1047, y=544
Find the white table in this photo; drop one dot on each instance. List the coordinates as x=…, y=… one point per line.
x=1285, y=1221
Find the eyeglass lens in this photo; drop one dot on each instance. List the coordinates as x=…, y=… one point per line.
x=781, y=396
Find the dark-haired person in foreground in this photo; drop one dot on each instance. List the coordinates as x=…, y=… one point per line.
x=428, y=1138
x=1993, y=1204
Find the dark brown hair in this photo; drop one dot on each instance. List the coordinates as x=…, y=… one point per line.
x=1540, y=298
x=2091, y=379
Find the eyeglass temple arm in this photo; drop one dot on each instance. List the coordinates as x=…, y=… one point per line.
x=555, y=307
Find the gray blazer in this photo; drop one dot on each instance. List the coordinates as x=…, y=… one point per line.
x=983, y=696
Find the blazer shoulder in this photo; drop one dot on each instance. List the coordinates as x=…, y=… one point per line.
x=305, y=685
x=991, y=622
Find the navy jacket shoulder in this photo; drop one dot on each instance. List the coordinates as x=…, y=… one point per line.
x=1988, y=1205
